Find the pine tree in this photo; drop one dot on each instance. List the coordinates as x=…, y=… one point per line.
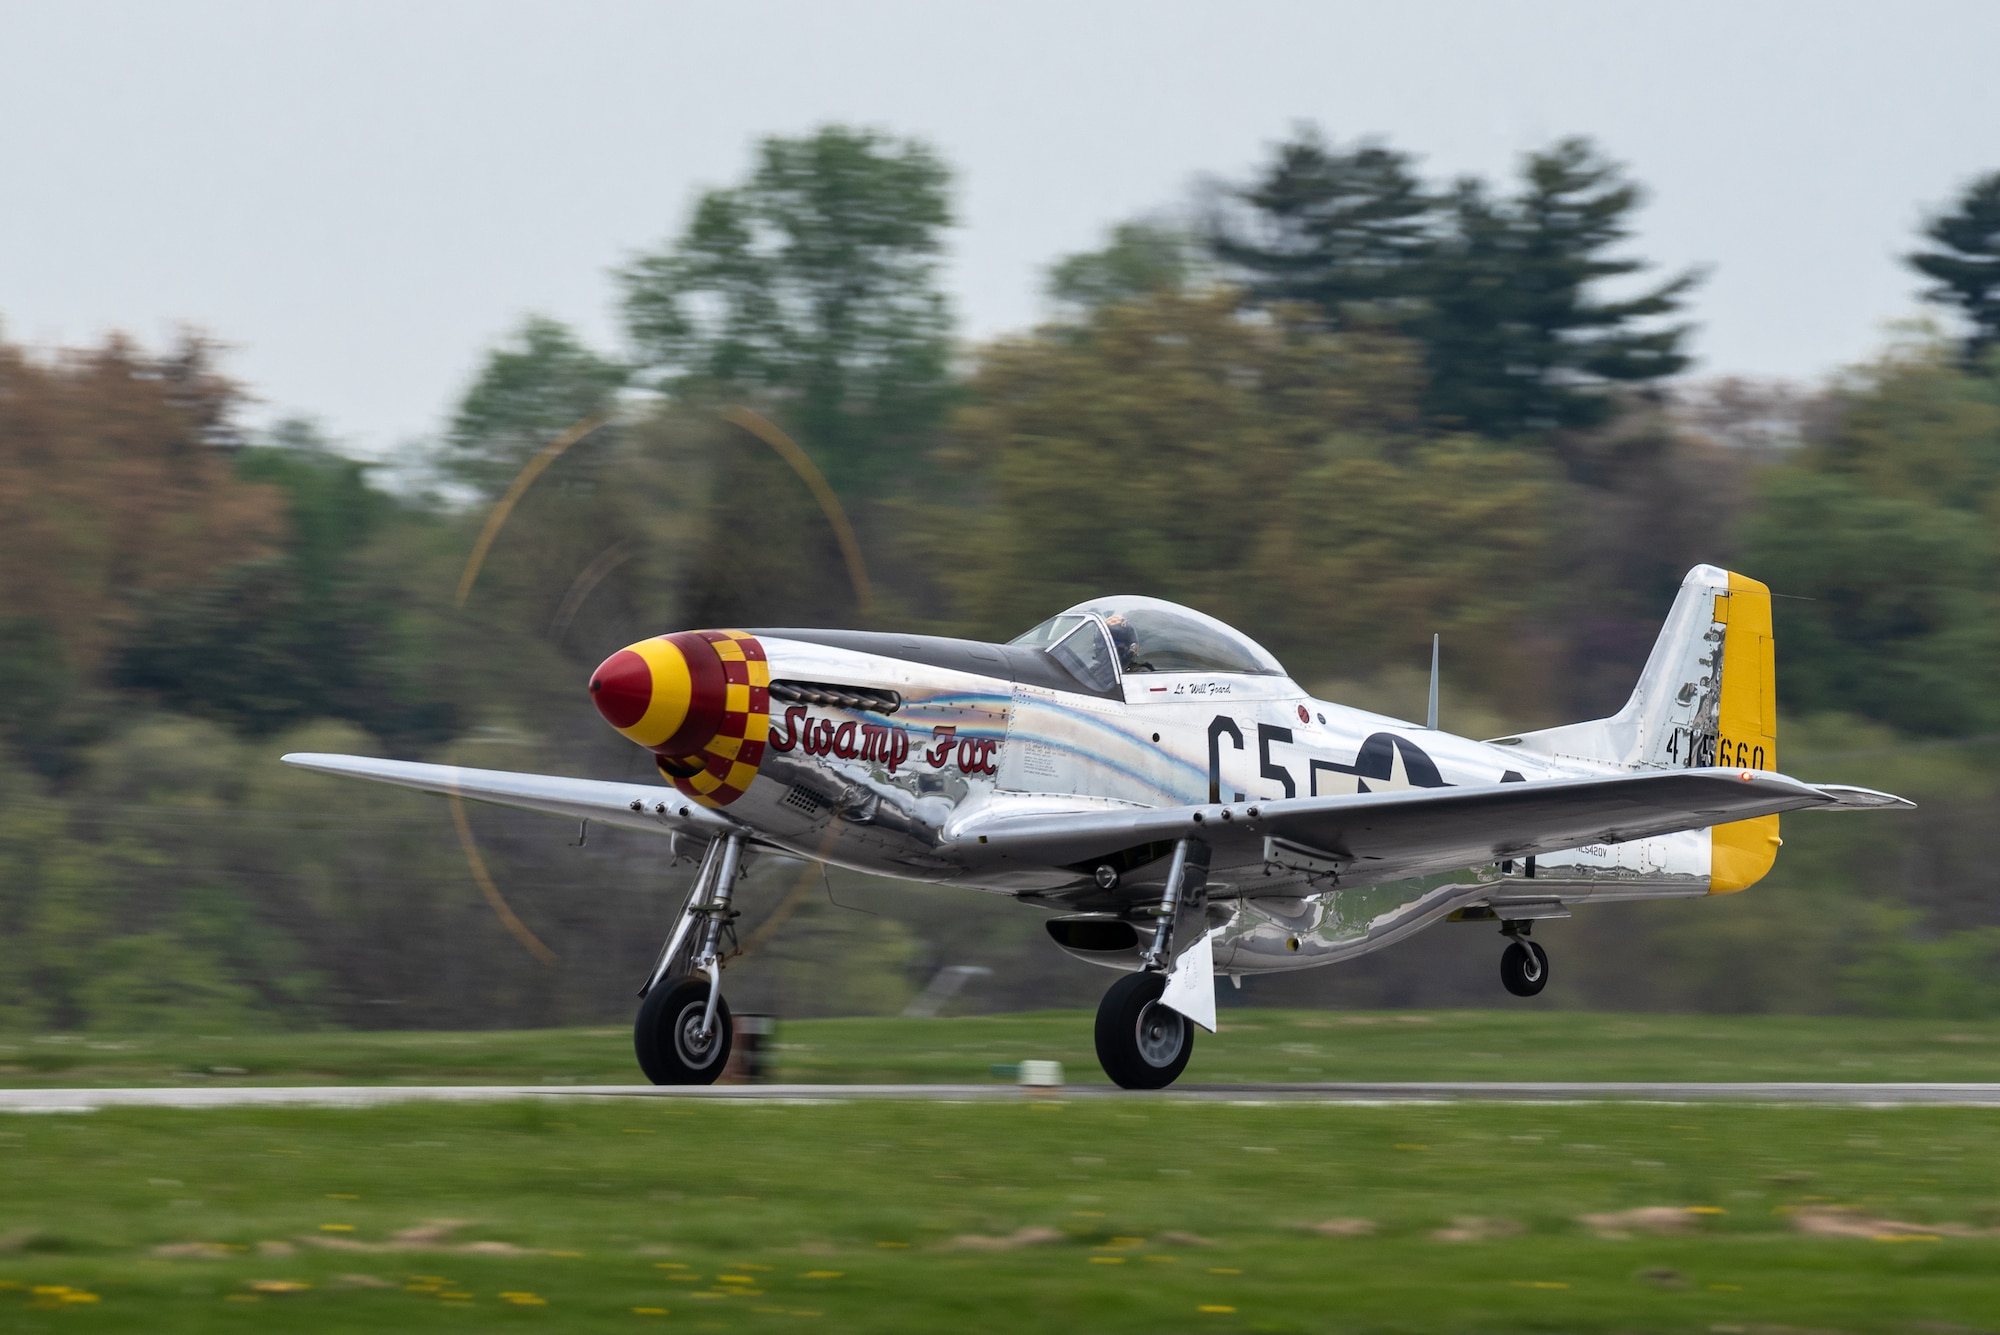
x=1345, y=230
x=1516, y=338
x=1502, y=293
x=1966, y=263
x=1468, y=330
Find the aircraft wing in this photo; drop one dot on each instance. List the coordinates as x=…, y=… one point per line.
x=1379, y=836
x=1368, y=836
x=637, y=806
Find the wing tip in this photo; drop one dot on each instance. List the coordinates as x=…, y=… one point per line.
x=317, y=759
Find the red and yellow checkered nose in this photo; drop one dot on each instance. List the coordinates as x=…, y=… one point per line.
x=699, y=700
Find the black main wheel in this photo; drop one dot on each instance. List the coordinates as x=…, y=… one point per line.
x=668, y=1037
x=1140, y=1043
x=1524, y=968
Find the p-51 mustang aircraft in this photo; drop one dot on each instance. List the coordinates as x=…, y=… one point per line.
x=1154, y=781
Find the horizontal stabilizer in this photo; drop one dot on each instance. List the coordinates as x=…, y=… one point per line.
x=1846, y=798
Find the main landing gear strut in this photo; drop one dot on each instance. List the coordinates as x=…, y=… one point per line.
x=683, y=1031
x=1524, y=966
x=1140, y=1043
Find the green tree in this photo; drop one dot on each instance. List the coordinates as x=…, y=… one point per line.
x=1140, y=259
x=1518, y=338
x=813, y=285
x=301, y=634
x=1263, y=470
x=537, y=383
x=1468, y=330
x=1504, y=294
x=1887, y=527
x=1964, y=262
x=1898, y=627
x=1349, y=231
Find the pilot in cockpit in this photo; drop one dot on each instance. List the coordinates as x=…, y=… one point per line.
x=1126, y=641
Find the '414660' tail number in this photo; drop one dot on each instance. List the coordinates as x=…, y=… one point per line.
x=1697, y=750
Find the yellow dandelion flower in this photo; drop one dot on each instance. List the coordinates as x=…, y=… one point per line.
x=1214, y=1307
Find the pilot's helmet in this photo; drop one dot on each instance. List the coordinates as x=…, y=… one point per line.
x=1124, y=638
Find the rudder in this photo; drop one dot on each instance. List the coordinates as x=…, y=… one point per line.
x=1741, y=852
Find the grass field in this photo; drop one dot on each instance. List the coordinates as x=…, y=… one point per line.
x=1253, y=1045
x=1037, y=1215
x=1042, y=1215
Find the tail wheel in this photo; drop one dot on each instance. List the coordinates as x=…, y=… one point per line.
x=1140, y=1043
x=668, y=1034
x=1524, y=968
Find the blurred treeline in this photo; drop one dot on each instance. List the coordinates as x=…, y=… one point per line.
x=1334, y=403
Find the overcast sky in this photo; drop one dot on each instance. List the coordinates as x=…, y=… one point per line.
x=361, y=196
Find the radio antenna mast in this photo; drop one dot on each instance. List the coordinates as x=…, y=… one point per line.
x=1432, y=722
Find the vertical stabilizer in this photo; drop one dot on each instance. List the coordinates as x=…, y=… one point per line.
x=1707, y=697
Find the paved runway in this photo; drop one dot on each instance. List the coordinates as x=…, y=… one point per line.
x=1469, y=1091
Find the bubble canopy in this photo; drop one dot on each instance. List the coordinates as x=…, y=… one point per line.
x=1153, y=635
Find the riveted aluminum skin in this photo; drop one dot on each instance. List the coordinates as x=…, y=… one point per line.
x=1062, y=770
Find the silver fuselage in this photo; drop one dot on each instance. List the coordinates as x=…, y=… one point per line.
x=902, y=794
